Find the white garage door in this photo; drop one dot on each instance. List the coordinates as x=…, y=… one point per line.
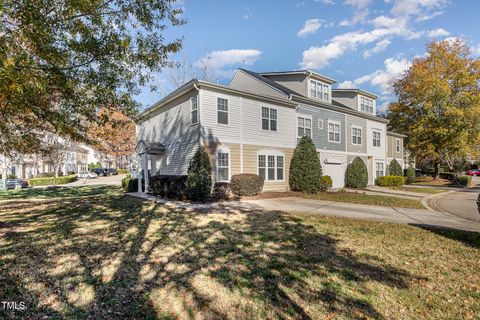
x=336, y=172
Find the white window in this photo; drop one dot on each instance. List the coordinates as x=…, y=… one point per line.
x=269, y=119
x=271, y=167
x=223, y=167
x=397, y=142
x=320, y=124
x=194, y=109
x=222, y=111
x=333, y=132
x=304, y=126
x=319, y=90
x=357, y=136
x=379, y=169
x=366, y=105
x=376, y=139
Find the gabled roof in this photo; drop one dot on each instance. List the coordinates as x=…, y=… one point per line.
x=360, y=91
x=305, y=72
x=149, y=147
x=269, y=82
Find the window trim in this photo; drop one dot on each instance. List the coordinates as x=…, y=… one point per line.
x=311, y=125
x=227, y=112
x=339, y=131
x=227, y=151
x=376, y=169
x=361, y=135
x=275, y=154
x=192, y=99
x=379, y=139
x=366, y=105
x=397, y=145
x=269, y=119
x=324, y=86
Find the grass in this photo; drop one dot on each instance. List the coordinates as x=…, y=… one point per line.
x=63, y=192
x=425, y=190
x=361, y=198
x=114, y=257
x=430, y=181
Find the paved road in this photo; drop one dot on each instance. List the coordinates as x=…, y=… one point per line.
x=110, y=180
x=461, y=203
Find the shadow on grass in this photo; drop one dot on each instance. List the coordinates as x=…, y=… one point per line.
x=470, y=238
x=117, y=257
x=54, y=192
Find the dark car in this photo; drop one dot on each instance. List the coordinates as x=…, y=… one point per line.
x=16, y=184
x=112, y=171
x=101, y=172
x=473, y=172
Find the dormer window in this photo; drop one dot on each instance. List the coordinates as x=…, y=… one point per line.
x=319, y=90
x=366, y=105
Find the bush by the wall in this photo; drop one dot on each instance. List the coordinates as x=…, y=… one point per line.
x=447, y=175
x=388, y=181
x=169, y=186
x=45, y=175
x=221, y=191
x=395, y=169
x=131, y=185
x=410, y=178
x=50, y=180
x=357, y=174
x=305, y=169
x=199, y=179
x=327, y=180
x=464, y=180
x=123, y=171
x=246, y=184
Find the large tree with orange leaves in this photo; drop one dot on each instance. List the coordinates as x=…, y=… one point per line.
x=439, y=102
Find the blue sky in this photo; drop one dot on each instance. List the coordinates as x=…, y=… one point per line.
x=359, y=43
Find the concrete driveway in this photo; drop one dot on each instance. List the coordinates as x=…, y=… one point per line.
x=109, y=180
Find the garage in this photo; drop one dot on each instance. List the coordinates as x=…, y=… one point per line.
x=334, y=166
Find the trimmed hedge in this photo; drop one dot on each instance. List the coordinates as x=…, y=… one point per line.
x=123, y=171
x=410, y=178
x=305, y=168
x=327, y=180
x=169, y=186
x=357, y=174
x=388, y=181
x=395, y=169
x=221, y=191
x=246, y=184
x=464, y=180
x=130, y=185
x=50, y=180
x=199, y=179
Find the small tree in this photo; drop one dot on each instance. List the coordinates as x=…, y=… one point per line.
x=410, y=174
x=305, y=169
x=395, y=169
x=199, y=180
x=357, y=174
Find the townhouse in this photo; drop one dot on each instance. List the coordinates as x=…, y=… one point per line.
x=253, y=125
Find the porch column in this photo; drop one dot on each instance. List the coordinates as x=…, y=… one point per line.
x=145, y=170
x=139, y=177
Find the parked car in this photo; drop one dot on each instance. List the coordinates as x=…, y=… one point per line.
x=112, y=171
x=100, y=172
x=473, y=172
x=16, y=184
x=87, y=175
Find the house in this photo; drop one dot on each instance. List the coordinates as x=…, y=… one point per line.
x=253, y=125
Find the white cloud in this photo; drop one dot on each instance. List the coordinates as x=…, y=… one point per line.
x=379, y=47
x=429, y=16
x=326, y=1
x=415, y=7
x=247, y=16
x=217, y=61
x=360, y=11
x=310, y=27
x=440, y=32
x=381, y=78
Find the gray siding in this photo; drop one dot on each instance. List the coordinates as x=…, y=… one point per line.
x=245, y=82
x=320, y=136
x=295, y=82
x=357, y=122
x=348, y=99
x=392, y=147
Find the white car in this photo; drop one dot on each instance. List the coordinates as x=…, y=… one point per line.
x=87, y=175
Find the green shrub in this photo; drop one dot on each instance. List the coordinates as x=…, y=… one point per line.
x=305, y=169
x=123, y=171
x=246, y=184
x=50, y=180
x=327, y=180
x=388, y=181
x=447, y=175
x=357, y=174
x=11, y=176
x=221, y=191
x=395, y=169
x=131, y=185
x=45, y=175
x=464, y=180
x=410, y=178
x=199, y=180
x=169, y=186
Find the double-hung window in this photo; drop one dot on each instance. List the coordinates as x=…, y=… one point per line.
x=222, y=111
x=304, y=127
x=366, y=105
x=194, y=109
x=397, y=142
x=223, y=168
x=269, y=119
x=333, y=132
x=356, y=136
x=319, y=90
x=271, y=167
x=379, y=169
x=376, y=138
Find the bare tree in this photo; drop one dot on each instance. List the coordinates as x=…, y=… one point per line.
x=182, y=70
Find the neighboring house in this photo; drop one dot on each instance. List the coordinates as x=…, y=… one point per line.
x=81, y=156
x=254, y=124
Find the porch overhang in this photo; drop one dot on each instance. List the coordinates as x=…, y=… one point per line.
x=147, y=147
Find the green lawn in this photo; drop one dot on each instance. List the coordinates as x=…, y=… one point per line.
x=361, y=198
x=87, y=255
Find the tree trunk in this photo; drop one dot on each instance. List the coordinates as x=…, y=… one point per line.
x=437, y=170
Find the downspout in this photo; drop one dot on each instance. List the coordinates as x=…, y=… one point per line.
x=200, y=138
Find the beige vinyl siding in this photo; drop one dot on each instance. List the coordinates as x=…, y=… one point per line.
x=234, y=149
x=245, y=82
x=392, y=147
x=295, y=82
x=361, y=123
